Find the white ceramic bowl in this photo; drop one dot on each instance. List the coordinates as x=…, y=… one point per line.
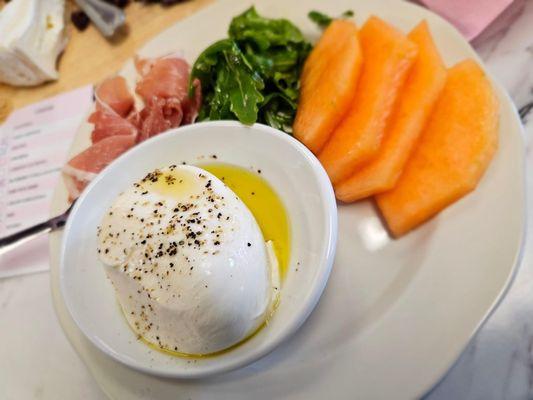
x=286, y=164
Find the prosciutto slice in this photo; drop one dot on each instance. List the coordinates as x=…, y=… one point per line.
x=158, y=116
x=164, y=89
x=165, y=77
x=118, y=126
x=115, y=94
x=84, y=167
x=191, y=105
x=108, y=123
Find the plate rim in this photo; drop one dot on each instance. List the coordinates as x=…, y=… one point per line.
x=519, y=251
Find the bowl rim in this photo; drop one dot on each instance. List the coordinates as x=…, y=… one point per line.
x=309, y=302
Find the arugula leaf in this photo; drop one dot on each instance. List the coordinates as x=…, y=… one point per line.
x=263, y=32
x=275, y=47
x=323, y=20
x=234, y=89
x=278, y=112
x=254, y=75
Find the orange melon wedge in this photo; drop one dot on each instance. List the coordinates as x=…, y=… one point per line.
x=454, y=151
x=328, y=82
x=418, y=97
x=387, y=58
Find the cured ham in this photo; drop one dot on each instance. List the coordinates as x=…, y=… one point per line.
x=108, y=123
x=118, y=126
x=113, y=104
x=84, y=167
x=115, y=94
x=166, y=77
x=191, y=105
x=164, y=83
x=158, y=116
x=143, y=65
x=163, y=113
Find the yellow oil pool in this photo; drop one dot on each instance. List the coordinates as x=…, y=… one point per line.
x=264, y=204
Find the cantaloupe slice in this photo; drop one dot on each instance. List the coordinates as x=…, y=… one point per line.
x=453, y=153
x=417, y=98
x=328, y=82
x=387, y=58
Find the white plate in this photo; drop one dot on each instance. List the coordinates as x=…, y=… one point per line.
x=296, y=176
x=395, y=314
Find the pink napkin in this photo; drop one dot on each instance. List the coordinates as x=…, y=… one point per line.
x=471, y=17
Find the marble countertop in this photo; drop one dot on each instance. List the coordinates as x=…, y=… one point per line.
x=497, y=364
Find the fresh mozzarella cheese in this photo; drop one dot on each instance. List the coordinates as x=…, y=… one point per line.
x=32, y=35
x=188, y=261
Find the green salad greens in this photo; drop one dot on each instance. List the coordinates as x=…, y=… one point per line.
x=254, y=74
x=323, y=20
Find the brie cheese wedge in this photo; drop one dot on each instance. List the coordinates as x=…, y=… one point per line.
x=32, y=35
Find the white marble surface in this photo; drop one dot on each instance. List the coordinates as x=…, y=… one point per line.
x=497, y=364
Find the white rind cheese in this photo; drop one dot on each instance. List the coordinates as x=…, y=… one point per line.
x=32, y=35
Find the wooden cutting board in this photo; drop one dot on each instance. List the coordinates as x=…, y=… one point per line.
x=89, y=57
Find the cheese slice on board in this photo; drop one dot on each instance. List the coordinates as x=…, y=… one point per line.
x=32, y=35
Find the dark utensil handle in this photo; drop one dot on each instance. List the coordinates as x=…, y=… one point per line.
x=10, y=242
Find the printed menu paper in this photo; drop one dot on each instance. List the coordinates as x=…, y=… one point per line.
x=34, y=143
